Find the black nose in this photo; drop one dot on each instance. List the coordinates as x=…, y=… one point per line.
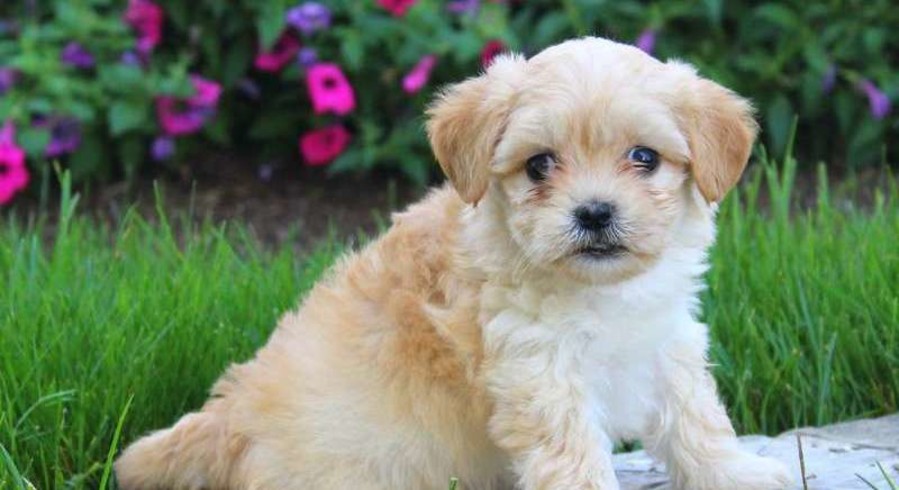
x=595, y=215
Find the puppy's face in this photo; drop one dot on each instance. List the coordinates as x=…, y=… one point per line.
x=593, y=150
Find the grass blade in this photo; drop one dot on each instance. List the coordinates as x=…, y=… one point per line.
x=114, y=445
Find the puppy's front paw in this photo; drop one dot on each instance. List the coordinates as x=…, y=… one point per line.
x=742, y=471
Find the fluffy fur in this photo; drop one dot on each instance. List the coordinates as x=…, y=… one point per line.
x=474, y=339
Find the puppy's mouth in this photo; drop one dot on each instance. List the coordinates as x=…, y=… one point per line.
x=598, y=251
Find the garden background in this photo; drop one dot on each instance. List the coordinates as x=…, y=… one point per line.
x=129, y=129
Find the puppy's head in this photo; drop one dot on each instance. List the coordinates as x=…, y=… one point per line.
x=594, y=151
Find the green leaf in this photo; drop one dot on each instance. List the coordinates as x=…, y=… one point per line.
x=217, y=129
x=33, y=140
x=236, y=61
x=352, y=49
x=275, y=125
x=714, y=10
x=122, y=78
x=125, y=115
x=89, y=159
x=270, y=23
x=551, y=28
x=779, y=117
x=131, y=153
x=777, y=14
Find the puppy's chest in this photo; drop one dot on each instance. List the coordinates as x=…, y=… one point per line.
x=608, y=347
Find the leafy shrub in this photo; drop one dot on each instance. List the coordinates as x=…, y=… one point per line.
x=108, y=86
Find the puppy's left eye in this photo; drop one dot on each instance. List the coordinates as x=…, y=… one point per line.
x=644, y=158
x=539, y=166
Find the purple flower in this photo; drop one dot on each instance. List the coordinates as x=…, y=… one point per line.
x=8, y=27
x=249, y=88
x=77, y=56
x=829, y=79
x=307, y=57
x=65, y=134
x=163, y=148
x=131, y=58
x=646, y=41
x=463, y=6
x=309, y=17
x=8, y=78
x=879, y=102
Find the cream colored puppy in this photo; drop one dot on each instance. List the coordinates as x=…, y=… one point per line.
x=505, y=332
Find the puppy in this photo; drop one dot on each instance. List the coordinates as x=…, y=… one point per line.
x=506, y=330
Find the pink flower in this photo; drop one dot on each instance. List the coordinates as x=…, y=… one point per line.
x=490, y=51
x=282, y=53
x=397, y=7
x=329, y=89
x=322, y=146
x=13, y=173
x=185, y=116
x=207, y=92
x=146, y=18
x=419, y=75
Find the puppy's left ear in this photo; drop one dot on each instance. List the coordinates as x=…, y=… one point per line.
x=466, y=122
x=721, y=130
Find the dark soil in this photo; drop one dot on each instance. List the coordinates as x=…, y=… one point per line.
x=306, y=202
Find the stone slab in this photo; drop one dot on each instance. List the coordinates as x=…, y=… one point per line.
x=835, y=456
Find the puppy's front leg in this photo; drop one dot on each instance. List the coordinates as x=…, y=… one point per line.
x=694, y=436
x=542, y=417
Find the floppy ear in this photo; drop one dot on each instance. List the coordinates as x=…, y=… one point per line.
x=465, y=124
x=721, y=130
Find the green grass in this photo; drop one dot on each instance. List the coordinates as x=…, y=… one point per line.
x=804, y=305
x=107, y=333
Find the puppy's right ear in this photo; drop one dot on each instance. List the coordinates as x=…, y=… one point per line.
x=466, y=122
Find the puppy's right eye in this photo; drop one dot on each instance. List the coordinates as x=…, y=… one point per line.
x=539, y=166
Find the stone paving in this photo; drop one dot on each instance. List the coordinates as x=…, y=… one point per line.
x=835, y=456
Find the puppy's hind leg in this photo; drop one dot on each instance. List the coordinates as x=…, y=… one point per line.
x=197, y=452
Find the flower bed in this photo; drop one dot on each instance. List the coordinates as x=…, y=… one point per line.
x=110, y=87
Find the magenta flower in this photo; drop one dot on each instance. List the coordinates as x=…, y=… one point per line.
x=397, y=8
x=185, y=116
x=490, y=50
x=646, y=41
x=309, y=17
x=416, y=79
x=146, y=18
x=282, y=53
x=877, y=100
x=322, y=146
x=8, y=78
x=162, y=148
x=329, y=89
x=207, y=92
x=75, y=55
x=13, y=173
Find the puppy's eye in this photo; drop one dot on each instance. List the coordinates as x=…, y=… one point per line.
x=644, y=158
x=539, y=166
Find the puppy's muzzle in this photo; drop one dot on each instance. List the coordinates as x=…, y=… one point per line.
x=595, y=216
x=598, y=235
